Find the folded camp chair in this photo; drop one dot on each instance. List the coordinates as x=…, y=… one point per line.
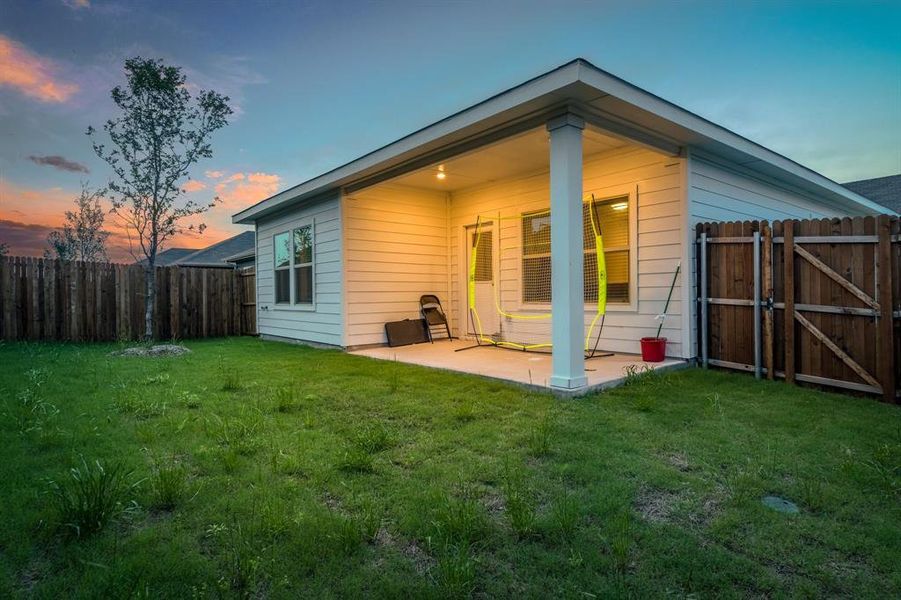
x=433, y=314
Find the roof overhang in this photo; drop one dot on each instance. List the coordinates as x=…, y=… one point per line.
x=605, y=101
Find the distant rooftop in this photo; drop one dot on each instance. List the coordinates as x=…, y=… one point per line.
x=221, y=254
x=171, y=256
x=883, y=190
x=217, y=254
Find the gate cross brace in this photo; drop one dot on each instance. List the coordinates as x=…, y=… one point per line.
x=837, y=351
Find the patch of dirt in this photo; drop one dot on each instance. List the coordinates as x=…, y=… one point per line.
x=410, y=550
x=655, y=505
x=494, y=503
x=30, y=576
x=332, y=502
x=153, y=351
x=710, y=509
x=680, y=461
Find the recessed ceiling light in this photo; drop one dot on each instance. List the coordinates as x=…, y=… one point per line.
x=440, y=174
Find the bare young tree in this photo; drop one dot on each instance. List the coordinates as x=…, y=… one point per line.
x=162, y=130
x=82, y=236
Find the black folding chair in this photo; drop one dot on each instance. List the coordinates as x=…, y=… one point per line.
x=433, y=314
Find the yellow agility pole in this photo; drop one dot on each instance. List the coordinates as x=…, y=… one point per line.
x=476, y=320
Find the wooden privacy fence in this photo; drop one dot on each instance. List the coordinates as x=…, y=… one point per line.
x=814, y=301
x=90, y=301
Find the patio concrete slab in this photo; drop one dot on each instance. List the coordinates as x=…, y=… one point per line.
x=528, y=368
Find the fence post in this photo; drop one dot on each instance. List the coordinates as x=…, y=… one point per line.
x=788, y=251
x=885, y=344
x=767, y=275
x=758, y=367
x=703, y=252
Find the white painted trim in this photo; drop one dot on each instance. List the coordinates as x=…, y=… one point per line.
x=687, y=283
x=292, y=304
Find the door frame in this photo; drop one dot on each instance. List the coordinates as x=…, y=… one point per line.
x=463, y=326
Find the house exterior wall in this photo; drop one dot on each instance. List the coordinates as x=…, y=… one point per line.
x=396, y=250
x=721, y=191
x=323, y=323
x=654, y=184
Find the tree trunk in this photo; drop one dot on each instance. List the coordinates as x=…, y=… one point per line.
x=149, y=301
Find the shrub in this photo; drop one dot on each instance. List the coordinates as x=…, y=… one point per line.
x=91, y=497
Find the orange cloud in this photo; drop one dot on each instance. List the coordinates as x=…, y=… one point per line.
x=76, y=4
x=31, y=74
x=27, y=215
x=214, y=174
x=239, y=191
x=194, y=186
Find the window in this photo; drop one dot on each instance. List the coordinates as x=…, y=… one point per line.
x=613, y=216
x=536, y=257
x=303, y=265
x=282, y=268
x=293, y=254
x=484, y=270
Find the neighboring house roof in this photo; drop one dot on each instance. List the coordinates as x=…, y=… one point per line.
x=884, y=190
x=240, y=257
x=218, y=254
x=171, y=256
x=602, y=99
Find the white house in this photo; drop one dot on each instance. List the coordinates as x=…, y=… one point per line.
x=347, y=251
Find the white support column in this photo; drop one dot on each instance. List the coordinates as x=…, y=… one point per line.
x=568, y=305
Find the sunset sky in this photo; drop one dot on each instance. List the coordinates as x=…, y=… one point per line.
x=315, y=84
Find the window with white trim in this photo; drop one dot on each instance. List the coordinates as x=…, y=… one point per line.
x=303, y=265
x=282, y=253
x=613, y=215
x=293, y=262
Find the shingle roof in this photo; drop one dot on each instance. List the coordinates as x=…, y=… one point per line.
x=216, y=255
x=172, y=255
x=884, y=190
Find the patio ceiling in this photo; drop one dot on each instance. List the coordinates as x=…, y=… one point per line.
x=513, y=156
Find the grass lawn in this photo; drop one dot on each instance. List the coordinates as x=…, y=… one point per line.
x=250, y=468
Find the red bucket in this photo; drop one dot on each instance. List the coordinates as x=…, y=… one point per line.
x=653, y=349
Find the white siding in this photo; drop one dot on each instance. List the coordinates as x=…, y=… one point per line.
x=659, y=218
x=323, y=324
x=723, y=193
x=396, y=249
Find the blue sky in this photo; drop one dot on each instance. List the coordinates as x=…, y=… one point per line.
x=318, y=84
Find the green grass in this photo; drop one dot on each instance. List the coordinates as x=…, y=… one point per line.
x=269, y=470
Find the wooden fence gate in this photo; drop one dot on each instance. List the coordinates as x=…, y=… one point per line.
x=248, y=282
x=812, y=301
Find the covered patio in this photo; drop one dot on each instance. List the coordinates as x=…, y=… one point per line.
x=532, y=369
